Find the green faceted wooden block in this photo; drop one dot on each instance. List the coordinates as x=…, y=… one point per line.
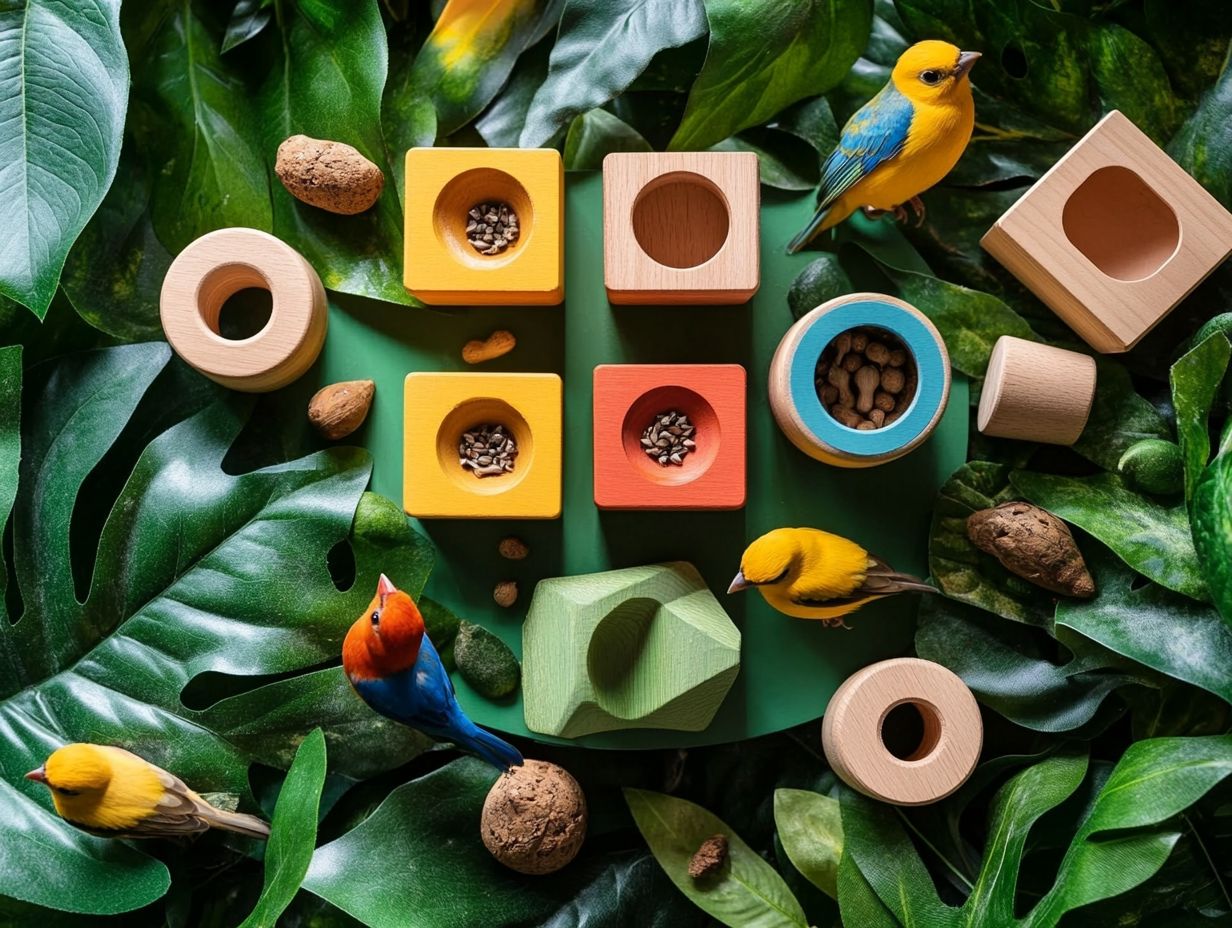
x=643, y=647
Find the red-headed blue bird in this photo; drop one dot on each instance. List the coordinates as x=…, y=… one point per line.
x=393, y=666
x=901, y=142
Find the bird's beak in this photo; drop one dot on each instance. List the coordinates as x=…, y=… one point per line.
x=739, y=583
x=38, y=775
x=384, y=587
x=966, y=61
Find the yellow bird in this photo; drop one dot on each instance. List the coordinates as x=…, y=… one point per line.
x=112, y=792
x=811, y=574
x=901, y=142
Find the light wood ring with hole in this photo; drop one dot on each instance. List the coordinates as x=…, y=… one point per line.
x=953, y=732
x=214, y=268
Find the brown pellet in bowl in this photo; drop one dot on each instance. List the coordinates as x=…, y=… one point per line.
x=488, y=450
x=866, y=378
x=491, y=227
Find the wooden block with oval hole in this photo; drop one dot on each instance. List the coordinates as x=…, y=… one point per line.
x=1113, y=236
x=681, y=227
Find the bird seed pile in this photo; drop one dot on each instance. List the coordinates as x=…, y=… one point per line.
x=491, y=227
x=865, y=378
x=488, y=450
x=668, y=439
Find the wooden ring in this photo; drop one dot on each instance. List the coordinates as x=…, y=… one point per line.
x=948, y=752
x=214, y=268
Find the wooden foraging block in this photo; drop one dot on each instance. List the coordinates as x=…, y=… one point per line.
x=443, y=184
x=851, y=732
x=213, y=269
x=643, y=647
x=681, y=227
x=1036, y=392
x=1113, y=236
x=439, y=408
x=793, y=391
x=628, y=396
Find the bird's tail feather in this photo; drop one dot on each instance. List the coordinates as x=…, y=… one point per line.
x=883, y=580
x=486, y=746
x=238, y=822
x=805, y=235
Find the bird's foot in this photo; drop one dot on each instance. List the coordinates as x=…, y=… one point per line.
x=900, y=213
x=872, y=212
x=835, y=623
x=917, y=207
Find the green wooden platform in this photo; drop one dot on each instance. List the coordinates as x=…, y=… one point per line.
x=790, y=667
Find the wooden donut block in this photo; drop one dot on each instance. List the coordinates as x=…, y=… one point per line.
x=213, y=269
x=953, y=732
x=1036, y=392
x=681, y=227
x=793, y=391
x=439, y=407
x=1113, y=236
x=628, y=396
x=443, y=184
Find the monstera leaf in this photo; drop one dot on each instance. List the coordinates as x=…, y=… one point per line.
x=195, y=575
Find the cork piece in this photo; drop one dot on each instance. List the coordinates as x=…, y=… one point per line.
x=947, y=754
x=1036, y=392
x=534, y=819
x=329, y=175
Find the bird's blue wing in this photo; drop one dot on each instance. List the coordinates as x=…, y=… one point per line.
x=421, y=696
x=875, y=134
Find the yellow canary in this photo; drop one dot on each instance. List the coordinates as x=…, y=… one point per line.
x=811, y=574
x=112, y=792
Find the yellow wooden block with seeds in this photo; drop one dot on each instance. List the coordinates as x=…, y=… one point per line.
x=443, y=185
x=440, y=409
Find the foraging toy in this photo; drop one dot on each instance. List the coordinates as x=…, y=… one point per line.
x=534, y=818
x=851, y=732
x=643, y=647
x=504, y=413
x=669, y=436
x=1036, y=392
x=1113, y=236
x=213, y=269
x=485, y=225
x=842, y=430
x=681, y=227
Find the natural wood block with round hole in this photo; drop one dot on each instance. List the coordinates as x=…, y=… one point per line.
x=442, y=184
x=213, y=269
x=1113, y=236
x=642, y=647
x=851, y=732
x=681, y=227
x=439, y=408
x=628, y=396
x=1036, y=392
x=793, y=390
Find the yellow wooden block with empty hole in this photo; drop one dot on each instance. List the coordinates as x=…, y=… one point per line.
x=442, y=186
x=439, y=409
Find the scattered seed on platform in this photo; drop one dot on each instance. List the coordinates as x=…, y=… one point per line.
x=491, y=227
x=487, y=450
x=669, y=438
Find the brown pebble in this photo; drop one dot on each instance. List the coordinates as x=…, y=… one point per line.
x=883, y=401
x=892, y=380
x=339, y=409
x=866, y=426
x=329, y=175
x=513, y=548
x=828, y=394
x=853, y=362
x=534, y=819
x=709, y=858
x=846, y=416
x=859, y=341
x=867, y=379
x=877, y=353
x=1034, y=544
x=506, y=593
x=898, y=357
x=877, y=417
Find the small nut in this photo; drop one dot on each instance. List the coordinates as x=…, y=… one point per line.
x=495, y=345
x=892, y=380
x=898, y=357
x=828, y=394
x=853, y=362
x=839, y=377
x=866, y=426
x=883, y=401
x=859, y=341
x=506, y=593
x=845, y=415
x=709, y=858
x=842, y=345
x=877, y=353
x=877, y=417
x=339, y=409
x=867, y=379
x=329, y=175
x=513, y=548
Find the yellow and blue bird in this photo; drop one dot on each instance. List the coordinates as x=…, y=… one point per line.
x=901, y=142
x=810, y=574
x=394, y=667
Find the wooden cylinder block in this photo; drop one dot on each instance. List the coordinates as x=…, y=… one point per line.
x=1036, y=392
x=851, y=732
x=793, y=391
x=213, y=269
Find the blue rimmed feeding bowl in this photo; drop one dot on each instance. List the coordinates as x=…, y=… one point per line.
x=806, y=421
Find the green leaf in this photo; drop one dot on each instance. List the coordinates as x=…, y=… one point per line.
x=325, y=80
x=785, y=162
x=408, y=118
x=1150, y=537
x=1203, y=146
x=1155, y=627
x=822, y=280
x=10, y=439
x=65, y=79
x=1195, y=380
x=501, y=123
x=595, y=135
x=1119, y=417
x=764, y=57
x=1130, y=77
x=748, y=893
x=857, y=901
x=600, y=48
x=1212, y=531
x=811, y=829
x=247, y=20
x=293, y=833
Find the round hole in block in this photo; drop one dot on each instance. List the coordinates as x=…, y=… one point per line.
x=245, y=313
x=911, y=730
x=471, y=414
x=1120, y=224
x=616, y=661
x=668, y=398
x=469, y=189
x=227, y=304
x=680, y=219
x=907, y=371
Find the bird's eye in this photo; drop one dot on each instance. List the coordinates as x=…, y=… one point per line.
x=376, y=617
x=931, y=77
